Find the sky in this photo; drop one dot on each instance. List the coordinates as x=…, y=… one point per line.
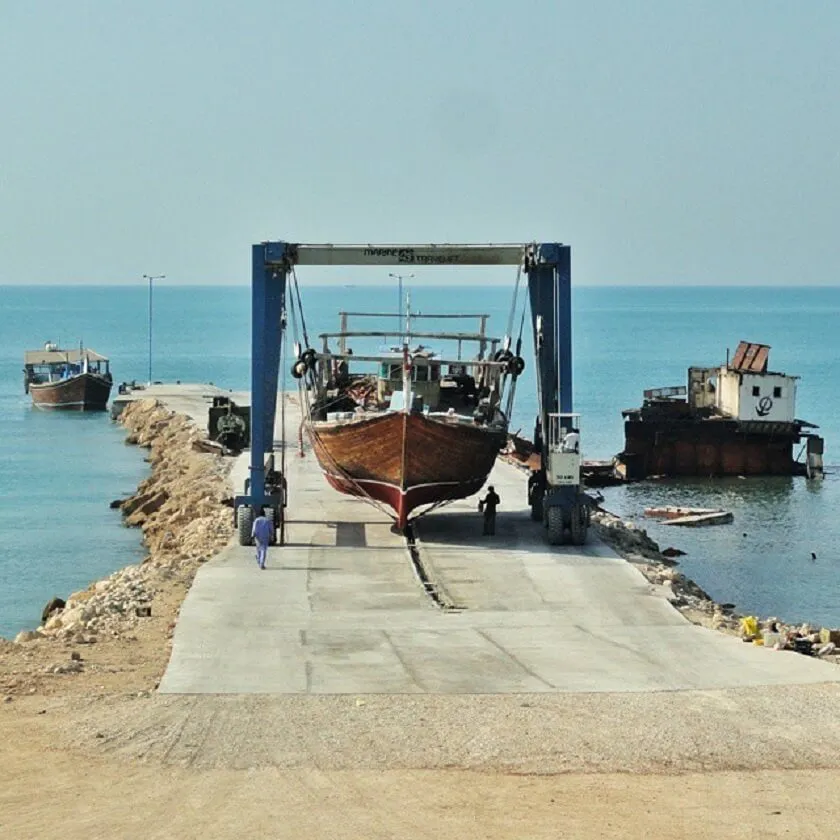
x=675, y=143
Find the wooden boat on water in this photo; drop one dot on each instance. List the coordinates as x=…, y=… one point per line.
x=690, y=517
x=74, y=380
x=417, y=431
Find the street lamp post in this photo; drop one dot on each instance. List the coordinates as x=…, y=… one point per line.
x=399, y=278
x=151, y=278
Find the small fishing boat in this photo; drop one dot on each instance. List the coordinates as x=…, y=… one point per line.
x=419, y=430
x=74, y=380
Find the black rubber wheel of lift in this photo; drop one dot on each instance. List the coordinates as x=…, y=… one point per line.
x=244, y=524
x=578, y=524
x=554, y=522
x=269, y=514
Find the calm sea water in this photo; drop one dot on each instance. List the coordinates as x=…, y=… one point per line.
x=58, y=472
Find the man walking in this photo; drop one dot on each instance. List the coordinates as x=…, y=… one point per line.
x=262, y=532
x=488, y=505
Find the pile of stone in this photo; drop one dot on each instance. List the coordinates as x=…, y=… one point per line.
x=180, y=510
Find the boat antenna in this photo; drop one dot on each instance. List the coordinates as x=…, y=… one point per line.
x=399, y=278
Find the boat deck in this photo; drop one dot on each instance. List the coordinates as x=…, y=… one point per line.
x=341, y=609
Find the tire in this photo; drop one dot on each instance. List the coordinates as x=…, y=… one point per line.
x=244, y=524
x=272, y=517
x=578, y=524
x=554, y=523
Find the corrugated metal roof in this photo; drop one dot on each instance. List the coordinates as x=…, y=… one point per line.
x=56, y=357
x=751, y=357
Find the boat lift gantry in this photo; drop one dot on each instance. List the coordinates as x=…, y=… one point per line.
x=554, y=490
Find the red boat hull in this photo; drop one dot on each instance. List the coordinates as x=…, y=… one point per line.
x=85, y=392
x=406, y=460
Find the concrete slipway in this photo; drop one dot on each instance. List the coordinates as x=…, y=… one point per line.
x=340, y=609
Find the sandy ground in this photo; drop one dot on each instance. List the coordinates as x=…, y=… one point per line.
x=97, y=753
x=49, y=788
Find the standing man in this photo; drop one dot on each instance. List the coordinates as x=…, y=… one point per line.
x=488, y=505
x=262, y=532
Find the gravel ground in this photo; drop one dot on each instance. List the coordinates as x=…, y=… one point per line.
x=783, y=727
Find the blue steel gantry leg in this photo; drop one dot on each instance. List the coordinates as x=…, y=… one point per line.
x=550, y=294
x=268, y=297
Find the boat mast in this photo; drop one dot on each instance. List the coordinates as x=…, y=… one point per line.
x=407, y=357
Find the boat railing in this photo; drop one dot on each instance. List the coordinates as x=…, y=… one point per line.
x=403, y=326
x=360, y=357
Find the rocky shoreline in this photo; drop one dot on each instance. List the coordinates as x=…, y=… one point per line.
x=635, y=546
x=179, y=508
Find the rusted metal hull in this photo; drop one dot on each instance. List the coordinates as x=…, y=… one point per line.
x=406, y=460
x=713, y=447
x=85, y=392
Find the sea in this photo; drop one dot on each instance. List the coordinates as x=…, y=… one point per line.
x=60, y=471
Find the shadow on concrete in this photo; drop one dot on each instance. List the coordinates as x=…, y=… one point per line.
x=515, y=530
x=350, y=534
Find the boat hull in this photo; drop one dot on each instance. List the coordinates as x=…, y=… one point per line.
x=701, y=447
x=85, y=392
x=406, y=460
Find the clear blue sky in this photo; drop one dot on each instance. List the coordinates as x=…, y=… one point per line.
x=667, y=142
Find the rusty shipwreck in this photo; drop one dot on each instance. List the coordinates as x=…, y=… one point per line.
x=735, y=419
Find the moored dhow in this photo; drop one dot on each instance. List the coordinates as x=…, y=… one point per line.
x=74, y=380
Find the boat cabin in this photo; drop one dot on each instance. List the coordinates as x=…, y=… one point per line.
x=744, y=389
x=425, y=378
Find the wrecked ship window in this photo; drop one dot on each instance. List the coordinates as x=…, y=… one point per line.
x=777, y=392
x=756, y=391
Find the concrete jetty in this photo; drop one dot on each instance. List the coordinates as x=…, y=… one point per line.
x=342, y=609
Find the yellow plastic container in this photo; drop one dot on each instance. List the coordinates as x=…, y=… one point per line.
x=749, y=627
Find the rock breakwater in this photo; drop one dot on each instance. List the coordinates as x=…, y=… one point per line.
x=179, y=508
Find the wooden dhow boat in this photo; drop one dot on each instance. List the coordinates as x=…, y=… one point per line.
x=75, y=380
x=419, y=430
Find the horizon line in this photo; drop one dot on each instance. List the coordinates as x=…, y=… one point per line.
x=241, y=285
